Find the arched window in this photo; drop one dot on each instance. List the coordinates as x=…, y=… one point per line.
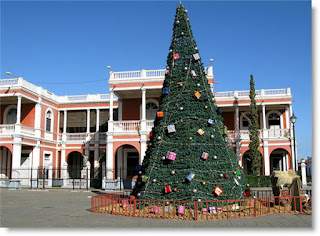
x=49, y=123
x=151, y=110
x=12, y=116
x=274, y=121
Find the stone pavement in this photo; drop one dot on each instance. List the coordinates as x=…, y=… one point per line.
x=53, y=208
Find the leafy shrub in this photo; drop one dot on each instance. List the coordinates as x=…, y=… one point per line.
x=258, y=180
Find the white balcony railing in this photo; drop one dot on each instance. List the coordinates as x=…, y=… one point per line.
x=261, y=92
x=126, y=126
x=7, y=129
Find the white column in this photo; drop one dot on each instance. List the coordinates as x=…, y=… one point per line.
x=303, y=173
x=88, y=120
x=37, y=118
x=110, y=122
x=16, y=157
x=65, y=121
x=109, y=159
x=97, y=119
x=143, y=147
x=36, y=156
x=264, y=121
x=119, y=109
x=266, y=158
x=120, y=162
x=19, y=109
x=143, y=110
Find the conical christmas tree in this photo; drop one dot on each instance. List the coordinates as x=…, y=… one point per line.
x=188, y=155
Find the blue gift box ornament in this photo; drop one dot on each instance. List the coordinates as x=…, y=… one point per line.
x=138, y=167
x=210, y=121
x=165, y=91
x=219, y=111
x=190, y=176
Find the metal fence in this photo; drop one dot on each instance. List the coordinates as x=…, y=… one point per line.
x=120, y=204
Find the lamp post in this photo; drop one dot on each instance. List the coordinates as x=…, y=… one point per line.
x=293, y=120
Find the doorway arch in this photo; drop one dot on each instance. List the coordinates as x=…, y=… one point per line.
x=75, y=164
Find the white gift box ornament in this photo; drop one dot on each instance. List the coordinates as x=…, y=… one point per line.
x=193, y=73
x=171, y=129
x=190, y=176
x=196, y=56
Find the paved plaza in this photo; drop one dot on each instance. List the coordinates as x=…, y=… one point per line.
x=54, y=208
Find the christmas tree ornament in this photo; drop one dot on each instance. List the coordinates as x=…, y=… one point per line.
x=138, y=167
x=176, y=56
x=196, y=56
x=186, y=68
x=167, y=203
x=248, y=185
x=140, y=172
x=219, y=111
x=204, y=210
x=167, y=71
x=203, y=183
x=144, y=178
x=238, y=170
x=181, y=210
x=226, y=176
x=190, y=138
x=199, y=200
x=175, y=190
x=210, y=121
x=224, y=130
x=190, y=176
x=171, y=129
x=205, y=107
x=187, y=19
x=205, y=156
x=160, y=114
x=215, y=157
x=195, y=48
x=218, y=191
x=236, y=181
x=182, y=33
x=247, y=192
x=234, y=172
x=221, y=175
x=181, y=108
x=154, y=181
x=212, y=136
x=168, y=66
x=197, y=95
x=193, y=73
x=198, y=84
x=159, y=138
x=186, y=11
x=172, y=172
x=138, y=194
x=132, y=197
x=177, y=22
x=163, y=158
x=194, y=191
x=167, y=189
x=171, y=156
x=165, y=91
x=212, y=210
x=200, y=132
x=180, y=84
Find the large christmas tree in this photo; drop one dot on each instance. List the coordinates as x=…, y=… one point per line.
x=189, y=156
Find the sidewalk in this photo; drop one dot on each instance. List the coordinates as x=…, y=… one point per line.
x=26, y=208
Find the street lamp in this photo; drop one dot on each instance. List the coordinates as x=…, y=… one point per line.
x=293, y=120
x=9, y=73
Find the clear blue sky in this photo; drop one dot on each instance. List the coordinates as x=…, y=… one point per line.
x=73, y=41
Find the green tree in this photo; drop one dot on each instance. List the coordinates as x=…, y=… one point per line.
x=254, y=153
x=192, y=129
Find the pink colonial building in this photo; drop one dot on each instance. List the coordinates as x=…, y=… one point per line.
x=98, y=140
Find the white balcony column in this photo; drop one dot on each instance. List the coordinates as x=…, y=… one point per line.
x=36, y=156
x=264, y=122
x=284, y=163
x=19, y=109
x=143, y=73
x=88, y=121
x=119, y=109
x=143, y=110
x=64, y=133
x=303, y=173
x=97, y=119
x=110, y=122
x=287, y=120
x=37, y=118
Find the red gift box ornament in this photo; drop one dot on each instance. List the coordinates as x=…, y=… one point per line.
x=197, y=95
x=176, y=56
x=218, y=191
x=167, y=189
x=160, y=114
x=248, y=192
x=171, y=156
